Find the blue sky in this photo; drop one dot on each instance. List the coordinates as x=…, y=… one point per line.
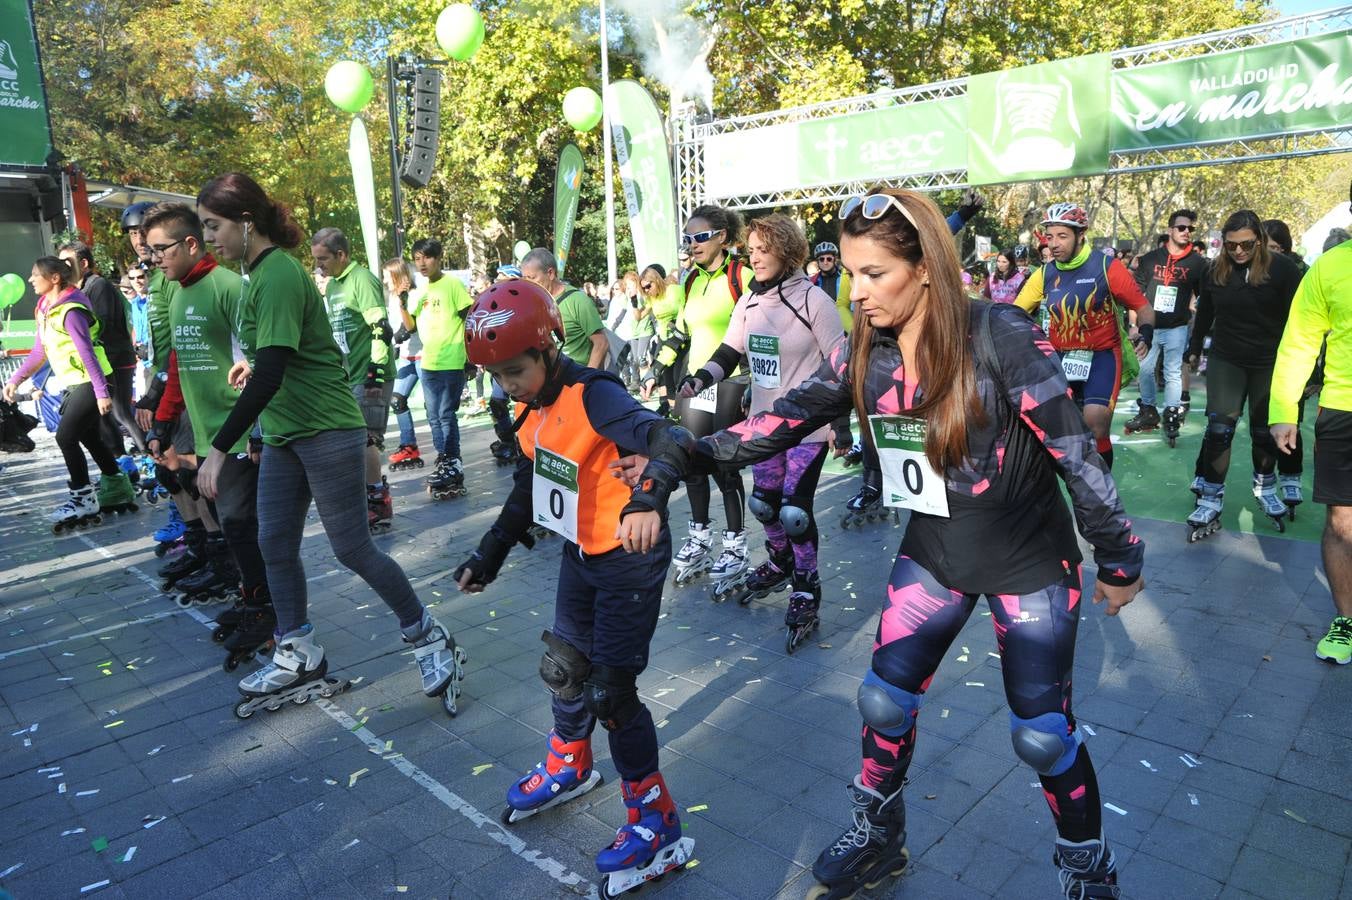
x=1295, y=7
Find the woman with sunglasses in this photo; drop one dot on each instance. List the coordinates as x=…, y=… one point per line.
x=665, y=301
x=970, y=390
x=712, y=289
x=1243, y=306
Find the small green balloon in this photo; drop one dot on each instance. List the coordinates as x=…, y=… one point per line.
x=11, y=290
x=520, y=250
x=460, y=31
x=348, y=86
x=582, y=108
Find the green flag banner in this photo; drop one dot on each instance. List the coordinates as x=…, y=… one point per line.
x=26, y=139
x=567, y=189
x=1277, y=89
x=913, y=139
x=645, y=170
x=1045, y=121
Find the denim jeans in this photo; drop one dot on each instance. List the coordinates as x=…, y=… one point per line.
x=1171, y=342
x=441, y=393
x=406, y=379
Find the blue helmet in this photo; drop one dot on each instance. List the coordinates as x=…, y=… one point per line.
x=133, y=215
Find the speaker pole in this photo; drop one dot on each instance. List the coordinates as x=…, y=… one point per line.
x=396, y=191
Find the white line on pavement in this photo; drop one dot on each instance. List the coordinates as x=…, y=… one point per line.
x=75, y=637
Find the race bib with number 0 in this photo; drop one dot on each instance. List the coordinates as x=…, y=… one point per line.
x=554, y=493
x=908, y=478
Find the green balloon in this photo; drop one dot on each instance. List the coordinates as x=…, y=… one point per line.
x=460, y=31
x=11, y=290
x=520, y=250
x=348, y=86
x=582, y=108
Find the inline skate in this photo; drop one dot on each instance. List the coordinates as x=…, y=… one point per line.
x=1147, y=418
x=441, y=663
x=252, y=633
x=869, y=852
x=854, y=456
x=215, y=582
x=693, y=559
x=729, y=571
x=169, y=536
x=800, y=620
x=447, y=479
x=771, y=575
x=193, y=559
x=1289, y=486
x=379, y=508
x=80, y=511
x=649, y=844
x=1173, y=424
x=565, y=773
x=116, y=495
x=504, y=452
x=149, y=484
x=867, y=505
x=1087, y=869
x=1205, y=519
x=297, y=673
x=406, y=457
x=1265, y=492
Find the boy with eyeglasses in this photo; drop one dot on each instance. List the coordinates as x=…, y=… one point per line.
x=1170, y=276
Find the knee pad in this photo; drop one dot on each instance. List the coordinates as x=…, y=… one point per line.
x=167, y=477
x=375, y=440
x=1045, y=742
x=610, y=695
x=398, y=404
x=797, y=520
x=563, y=668
x=1220, y=431
x=187, y=478
x=764, y=504
x=887, y=708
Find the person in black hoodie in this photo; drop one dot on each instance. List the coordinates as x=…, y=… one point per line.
x=1243, y=306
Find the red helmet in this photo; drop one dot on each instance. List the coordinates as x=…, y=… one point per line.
x=508, y=319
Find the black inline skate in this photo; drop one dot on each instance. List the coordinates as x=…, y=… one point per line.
x=193, y=559
x=1147, y=418
x=1088, y=870
x=854, y=456
x=1173, y=424
x=872, y=850
x=771, y=575
x=252, y=635
x=801, y=618
x=867, y=505
x=447, y=479
x=216, y=582
x=504, y=452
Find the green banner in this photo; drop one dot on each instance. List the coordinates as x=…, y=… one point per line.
x=913, y=139
x=645, y=170
x=1045, y=121
x=1287, y=88
x=567, y=190
x=26, y=139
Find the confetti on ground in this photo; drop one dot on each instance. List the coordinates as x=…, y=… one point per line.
x=683, y=628
x=993, y=655
x=943, y=714
x=389, y=745
x=354, y=842
x=87, y=793
x=67, y=678
x=55, y=775
x=492, y=614
x=352, y=779
x=95, y=886
x=49, y=769
x=490, y=628
x=11, y=870
x=478, y=770
x=847, y=608
x=131, y=851
x=824, y=646
x=68, y=832
x=754, y=681
x=61, y=788
x=1117, y=809
x=1090, y=730
x=662, y=724
x=1192, y=798
x=180, y=778
x=99, y=844
x=329, y=781
x=1292, y=815
x=700, y=808
x=1191, y=760
x=976, y=684
x=273, y=859
x=362, y=710
x=752, y=658
x=1146, y=763
x=931, y=796
x=151, y=821
x=156, y=750
x=962, y=658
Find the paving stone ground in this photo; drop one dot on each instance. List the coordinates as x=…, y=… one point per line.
x=116, y=727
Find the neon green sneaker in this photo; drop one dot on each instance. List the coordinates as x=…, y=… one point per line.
x=1337, y=644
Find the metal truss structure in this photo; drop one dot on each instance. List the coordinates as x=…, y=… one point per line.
x=690, y=133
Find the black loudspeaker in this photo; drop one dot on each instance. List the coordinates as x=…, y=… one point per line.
x=422, y=150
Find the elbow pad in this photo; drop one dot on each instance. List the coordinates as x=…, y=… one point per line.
x=382, y=331
x=670, y=450
x=402, y=335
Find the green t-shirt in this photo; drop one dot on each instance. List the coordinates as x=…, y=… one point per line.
x=161, y=292
x=438, y=313
x=202, y=316
x=355, y=301
x=580, y=322
x=282, y=308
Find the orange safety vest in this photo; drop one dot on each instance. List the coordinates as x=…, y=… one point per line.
x=563, y=429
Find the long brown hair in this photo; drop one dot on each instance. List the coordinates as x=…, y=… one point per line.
x=1261, y=260
x=237, y=196
x=944, y=355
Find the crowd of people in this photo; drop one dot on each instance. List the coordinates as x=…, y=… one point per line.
x=247, y=395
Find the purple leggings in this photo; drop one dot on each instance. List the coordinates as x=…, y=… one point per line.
x=791, y=478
